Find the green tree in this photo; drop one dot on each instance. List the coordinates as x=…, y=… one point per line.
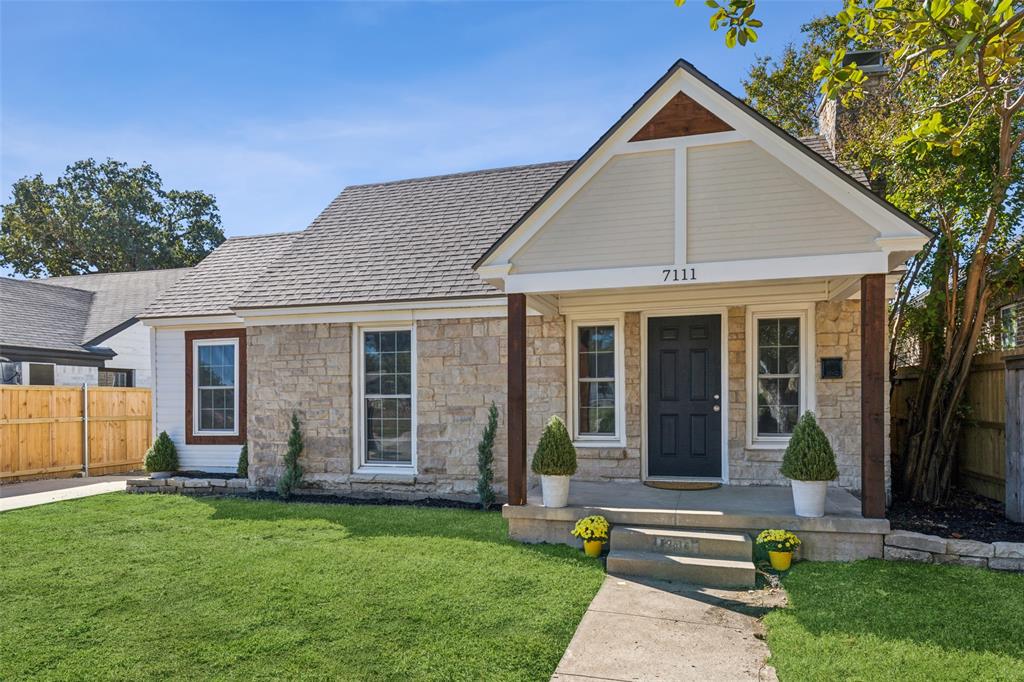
x=943, y=137
x=485, y=459
x=105, y=217
x=292, y=476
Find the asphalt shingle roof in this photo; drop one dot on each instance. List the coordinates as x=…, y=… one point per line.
x=119, y=296
x=213, y=285
x=820, y=146
x=402, y=241
x=35, y=315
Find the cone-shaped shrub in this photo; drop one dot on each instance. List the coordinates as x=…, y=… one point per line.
x=809, y=455
x=555, y=455
x=162, y=455
x=292, y=476
x=243, y=461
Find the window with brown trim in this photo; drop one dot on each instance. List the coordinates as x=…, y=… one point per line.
x=215, y=368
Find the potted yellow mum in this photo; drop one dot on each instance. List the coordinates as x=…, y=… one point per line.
x=593, y=530
x=780, y=545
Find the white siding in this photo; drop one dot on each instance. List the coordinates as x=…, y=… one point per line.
x=622, y=217
x=70, y=375
x=169, y=400
x=132, y=348
x=742, y=203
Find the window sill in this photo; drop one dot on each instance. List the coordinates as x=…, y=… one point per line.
x=768, y=444
x=399, y=475
x=595, y=444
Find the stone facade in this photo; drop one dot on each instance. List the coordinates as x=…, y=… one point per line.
x=461, y=367
x=902, y=545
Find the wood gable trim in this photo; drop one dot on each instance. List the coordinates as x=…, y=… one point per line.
x=190, y=437
x=681, y=117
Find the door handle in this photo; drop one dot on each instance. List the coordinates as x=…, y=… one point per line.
x=716, y=396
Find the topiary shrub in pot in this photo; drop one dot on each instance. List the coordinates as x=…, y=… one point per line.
x=555, y=462
x=810, y=463
x=162, y=457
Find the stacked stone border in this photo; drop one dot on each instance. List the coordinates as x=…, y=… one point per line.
x=902, y=545
x=190, y=486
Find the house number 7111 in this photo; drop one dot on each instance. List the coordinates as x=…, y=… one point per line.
x=679, y=274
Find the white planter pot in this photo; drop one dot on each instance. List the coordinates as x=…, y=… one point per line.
x=556, y=490
x=809, y=497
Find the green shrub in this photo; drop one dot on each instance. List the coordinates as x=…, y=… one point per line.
x=243, y=461
x=485, y=460
x=292, y=477
x=162, y=456
x=809, y=455
x=555, y=455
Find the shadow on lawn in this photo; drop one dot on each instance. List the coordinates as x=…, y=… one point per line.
x=379, y=520
x=954, y=607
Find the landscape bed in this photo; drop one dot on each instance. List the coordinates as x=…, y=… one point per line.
x=160, y=586
x=883, y=620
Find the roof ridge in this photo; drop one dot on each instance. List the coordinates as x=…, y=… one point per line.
x=481, y=171
x=33, y=281
x=267, y=234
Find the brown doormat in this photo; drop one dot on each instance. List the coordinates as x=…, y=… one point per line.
x=682, y=485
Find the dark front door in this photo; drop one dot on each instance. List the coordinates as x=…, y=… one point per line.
x=684, y=389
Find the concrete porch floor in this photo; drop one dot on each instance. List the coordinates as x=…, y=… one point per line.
x=842, y=534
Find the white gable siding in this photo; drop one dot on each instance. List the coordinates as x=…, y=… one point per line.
x=169, y=396
x=742, y=203
x=623, y=216
x=132, y=348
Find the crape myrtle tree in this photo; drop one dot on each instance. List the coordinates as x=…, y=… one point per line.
x=943, y=137
x=104, y=217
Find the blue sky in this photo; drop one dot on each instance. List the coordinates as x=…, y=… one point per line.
x=275, y=107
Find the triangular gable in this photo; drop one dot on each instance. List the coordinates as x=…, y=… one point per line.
x=662, y=113
x=679, y=118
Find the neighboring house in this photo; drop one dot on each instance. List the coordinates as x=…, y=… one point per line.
x=680, y=294
x=79, y=329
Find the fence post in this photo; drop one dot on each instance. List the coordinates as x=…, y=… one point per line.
x=85, y=428
x=1015, y=438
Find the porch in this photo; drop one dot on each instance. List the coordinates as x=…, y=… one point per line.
x=843, y=534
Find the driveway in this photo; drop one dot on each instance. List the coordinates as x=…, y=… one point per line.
x=32, y=493
x=652, y=630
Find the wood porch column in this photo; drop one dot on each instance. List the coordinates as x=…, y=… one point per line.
x=872, y=396
x=516, y=419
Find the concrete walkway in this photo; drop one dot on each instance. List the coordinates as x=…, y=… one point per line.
x=32, y=493
x=651, y=630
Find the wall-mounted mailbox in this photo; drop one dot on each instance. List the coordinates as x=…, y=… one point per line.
x=831, y=368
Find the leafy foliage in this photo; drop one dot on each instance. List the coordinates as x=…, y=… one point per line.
x=162, y=455
x=292, y=476
x=105, y=217
x=555, y=454
x=809, y=455
x=592, y=528
x=485, y=460
x=778, y=540
x=243, y=461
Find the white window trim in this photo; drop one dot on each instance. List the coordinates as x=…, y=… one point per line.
x=196, y=343
x=808, y=343
x=618, y=439
x=359, y=463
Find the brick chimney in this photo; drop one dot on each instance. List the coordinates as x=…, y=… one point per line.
x=833, y=117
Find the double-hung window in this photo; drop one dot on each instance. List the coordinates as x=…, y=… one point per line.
x=215, y=387
x=781, y=379
x=387, y=387
x=596, y=409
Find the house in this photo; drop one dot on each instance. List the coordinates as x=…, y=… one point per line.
x=680, y=294
x=79, y=329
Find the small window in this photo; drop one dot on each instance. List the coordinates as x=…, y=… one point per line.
x=216, y=378
x=595, y=367
x=40, y=374
x=119, y=378
x=388, y=387
x=778, y=375
x=10, y=372
x=1010, y=323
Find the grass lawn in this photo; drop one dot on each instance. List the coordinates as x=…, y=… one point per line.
x=153, y=586
x=883, y=620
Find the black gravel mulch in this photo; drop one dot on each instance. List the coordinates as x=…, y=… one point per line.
x=966, y=515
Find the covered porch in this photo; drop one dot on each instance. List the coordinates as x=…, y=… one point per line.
x=843, y=534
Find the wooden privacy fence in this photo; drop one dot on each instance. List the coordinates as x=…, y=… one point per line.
x=53, y=430
x=982, y=451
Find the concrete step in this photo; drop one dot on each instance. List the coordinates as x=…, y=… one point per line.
x=686, y=569
x=682, y=542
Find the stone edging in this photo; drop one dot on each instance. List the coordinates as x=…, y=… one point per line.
x=190, y=486
x=903, y=545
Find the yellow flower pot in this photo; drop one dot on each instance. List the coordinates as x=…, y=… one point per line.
x=780, y=560
x=593, y=547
